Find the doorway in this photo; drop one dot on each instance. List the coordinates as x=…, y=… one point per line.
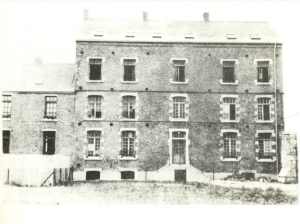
x=49, y=143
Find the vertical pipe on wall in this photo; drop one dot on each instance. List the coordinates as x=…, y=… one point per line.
x=275, y=108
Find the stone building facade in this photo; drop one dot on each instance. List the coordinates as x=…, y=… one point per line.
x=175, y=100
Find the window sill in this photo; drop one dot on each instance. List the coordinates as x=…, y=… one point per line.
x=6, y=119
x=127, y=158
x=92, y=158
x=128, y=119
x=94, y=81
x=230, y=121
x=228, y=83
x=230, y=159
x=179, y=120
x=129, y=82
x=265, y=122
x=94, y=119
x=179, y=83
x=262, y=83
x=45, y=119
x=265, y=160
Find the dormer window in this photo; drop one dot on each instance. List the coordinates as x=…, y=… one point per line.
x=156, y=35
x=254, y=36
x=189, y=36
x=98, y=33
x=130, y=34
x=231, y=36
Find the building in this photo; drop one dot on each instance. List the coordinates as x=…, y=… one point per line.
x=172, y=100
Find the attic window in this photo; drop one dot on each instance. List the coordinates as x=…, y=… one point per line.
x=99, y=33
x=130, y=34
x=156, y=35
x=39, y=81
x=189, y=36
x=231, y=36
x=254, y=36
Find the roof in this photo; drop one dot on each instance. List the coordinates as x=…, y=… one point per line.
x=175, y=31
x=48, y=77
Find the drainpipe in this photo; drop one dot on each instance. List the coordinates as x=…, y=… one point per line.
x=275, y=109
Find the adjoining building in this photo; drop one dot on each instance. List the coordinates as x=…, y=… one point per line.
x=164, y=100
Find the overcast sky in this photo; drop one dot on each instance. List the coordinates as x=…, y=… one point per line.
x=48, y=30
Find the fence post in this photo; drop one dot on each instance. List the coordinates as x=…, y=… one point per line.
x=72, y=171
x=66, y=174
x=8, y=176
x=60, y=177
x=54, y=177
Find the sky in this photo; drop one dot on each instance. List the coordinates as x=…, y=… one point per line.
x=48, y=30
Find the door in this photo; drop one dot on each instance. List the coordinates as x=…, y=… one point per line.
x=178, y=151
x=5, y=142
x=180, y=175
x=49, y=143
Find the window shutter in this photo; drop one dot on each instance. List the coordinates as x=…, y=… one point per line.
x=226, y=111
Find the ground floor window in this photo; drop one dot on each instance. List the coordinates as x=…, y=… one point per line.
x=5, y=141
x=127, y=175
x=128, y=142
x=92, y=175
x=49, y=143
x=229, y=144
x=265, y=145
x=178, y=147
x=94, y=140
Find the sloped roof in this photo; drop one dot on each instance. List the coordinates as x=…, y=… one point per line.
x=48, y=77
x=174, y=31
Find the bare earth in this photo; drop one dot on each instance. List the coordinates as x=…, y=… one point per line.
x=99, y=192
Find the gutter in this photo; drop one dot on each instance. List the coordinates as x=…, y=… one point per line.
x=275, y=108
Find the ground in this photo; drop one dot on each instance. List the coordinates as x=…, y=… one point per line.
x=129, y=192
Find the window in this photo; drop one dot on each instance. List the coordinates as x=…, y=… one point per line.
x=230, y=145
x=128, y=144
x=178, y=147
x=127, y=175
x=263, y=71
x=228, y=72
x=49, y=143
x=129, y=70
x=229, y=105
x=189, y=36
x=95, y=69
x=6, y=100
x=5, y=141
x=128, y=110
x=92, y=175
x=130, y=34
x=263, y=109
x=231, y=36
x=254, y=36
x=94, y=142
x=156, y=35
x=98, y=33
x=265, y=145
x=179, y=71
x=50, y=107
x=94, y=107
x=179, y=107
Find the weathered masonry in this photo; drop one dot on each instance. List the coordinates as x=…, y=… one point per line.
x=174, y=100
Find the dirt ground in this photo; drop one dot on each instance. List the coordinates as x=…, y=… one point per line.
x=100, y=192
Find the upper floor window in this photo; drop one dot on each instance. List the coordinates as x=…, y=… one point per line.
x=263, y=108
x=94, y=143
x=229, y=108
x=128, y=110
x=179, y=107
x=5, y=141
x=95, y=68
x=179, y=71
x=129, y=69
x=94, y=107
x=265, y=145
x=50, y=107
x=128, y=144
x=263, y=71
x=229, y=139
x=228, y=72
x=6, y=100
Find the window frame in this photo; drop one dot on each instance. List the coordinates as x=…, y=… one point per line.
x=270, y=74
x=135, y=107
x=52, y=115
x=238, y=149
x=6, y=115
x=178, y=66
x=95, y=144
x=95, y=107
x=231, y=142
x=187, y=143
x=87, y=79
x=272, y=157
x=236, y=63
x=134, y=154
x=172, y=108
x=86, y=144
x=136, y=80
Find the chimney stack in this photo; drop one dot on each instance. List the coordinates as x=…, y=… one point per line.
x=85, y=14
x=145, y=16
x=206, y=17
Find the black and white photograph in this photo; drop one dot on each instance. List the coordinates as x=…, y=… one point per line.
x=150, y=103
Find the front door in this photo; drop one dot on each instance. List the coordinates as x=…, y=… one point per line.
x=49, y=143
x=178, y=151
x=180, y=175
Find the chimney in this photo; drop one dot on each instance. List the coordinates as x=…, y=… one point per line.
x=85, y=14
x=145, y=16
x=206, y=17
x=38, y=62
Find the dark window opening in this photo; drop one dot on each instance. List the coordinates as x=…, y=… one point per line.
x=129, y=70
x=95, y=69
x=180, y=176
x=266, y=112
x=232, y=111
x=94, y=106
x=128, y=110
x=49, y=143
x=127, y=175
x=249, y=176
x=92, y=175
x=263, y=71
x=5, y=141
x=228, y=71
x=179, y=71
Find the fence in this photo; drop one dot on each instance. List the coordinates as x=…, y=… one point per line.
x=37, y=170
